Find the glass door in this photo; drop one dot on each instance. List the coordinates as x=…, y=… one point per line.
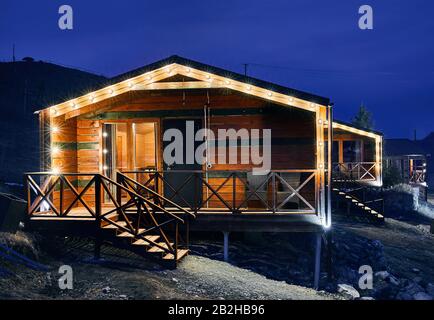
x=130, y=147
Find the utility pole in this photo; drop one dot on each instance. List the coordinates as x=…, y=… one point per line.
x=245, y=68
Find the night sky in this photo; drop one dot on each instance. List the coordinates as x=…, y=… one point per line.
x=315, y=46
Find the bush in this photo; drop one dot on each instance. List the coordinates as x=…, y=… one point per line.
x=391, y=176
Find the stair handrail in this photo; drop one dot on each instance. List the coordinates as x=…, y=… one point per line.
x=155, y=193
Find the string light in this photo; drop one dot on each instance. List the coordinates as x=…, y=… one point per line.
x=188, y=70
x=270, y=94
x=55, y=170
x=249, y=88
x=55, y=150
x=54, y=129
x=104, y=134
x=105, y=151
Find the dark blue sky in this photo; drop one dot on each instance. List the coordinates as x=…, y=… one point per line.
x=310, y=45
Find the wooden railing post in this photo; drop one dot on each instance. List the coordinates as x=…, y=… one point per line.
x=118, y=190
x=61, y=191
x=98, y=196
x=234, y=192
x=175, y=254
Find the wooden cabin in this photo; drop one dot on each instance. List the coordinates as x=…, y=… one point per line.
x=102, y=154
x=409, y=159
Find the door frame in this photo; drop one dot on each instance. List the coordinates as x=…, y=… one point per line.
x=158, y=144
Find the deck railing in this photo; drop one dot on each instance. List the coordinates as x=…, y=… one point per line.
x=418, y=175
x=279, y=191
x=354, y=171
x=60, y=195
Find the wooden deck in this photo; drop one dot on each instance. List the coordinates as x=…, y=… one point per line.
x=206, y=220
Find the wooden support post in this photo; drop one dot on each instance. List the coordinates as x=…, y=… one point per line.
x=97, y=246
x=98, y=203
x=317, y=267
x=225, y=246
x=329, y=249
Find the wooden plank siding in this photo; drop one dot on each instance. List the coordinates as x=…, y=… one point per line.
x=293, y=131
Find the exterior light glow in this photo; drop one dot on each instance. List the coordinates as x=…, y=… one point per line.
x=270, y=94
x=54, y=129
x=105, y=151
x=291, y=99
x=55, y=170
x=320, y=121
x=55, y=150
x=104, y=134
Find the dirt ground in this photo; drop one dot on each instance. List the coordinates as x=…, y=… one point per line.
x=406, y=247
x=123, y=275
x=256, y=271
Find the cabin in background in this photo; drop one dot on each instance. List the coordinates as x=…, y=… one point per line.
x=410, y=160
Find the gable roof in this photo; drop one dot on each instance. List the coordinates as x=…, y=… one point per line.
x=174, y=65
x=403, y=147
x=337, y=124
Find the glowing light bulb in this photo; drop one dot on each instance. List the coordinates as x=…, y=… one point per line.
x=188, y=70
x=270, y=94
x=291, y=99
x=55, y=150
x=54, y=129
x=105, y=151
x=249, y=88
x=104, y=134
x=55, y=170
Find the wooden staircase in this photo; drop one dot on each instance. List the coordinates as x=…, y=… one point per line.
x=355, y=204
x=143, y=243
x=141, y=223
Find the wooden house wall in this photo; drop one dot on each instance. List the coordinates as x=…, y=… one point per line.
x=293, y=133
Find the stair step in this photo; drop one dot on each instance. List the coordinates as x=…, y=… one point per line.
x=142, y=242
x=126, y=234
x=157, y=249
x=181, y=254
x=112, y=226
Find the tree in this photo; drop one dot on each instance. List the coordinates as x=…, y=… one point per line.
x=363, y=118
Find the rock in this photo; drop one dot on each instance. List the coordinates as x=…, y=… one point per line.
x=393, y=280
x=377, y=244
x=348, y=291
x=175, y=280
x=430, y=289
x=417, y=280
x=415, y=270
x=412, y=288
x=367, y=298
x=422, y=296
x=123, y=296
x=382, y=275
x=106, y=290
x=404, y=296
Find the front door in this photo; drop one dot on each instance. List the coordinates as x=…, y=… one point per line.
x=181, y=185
x=130, y=147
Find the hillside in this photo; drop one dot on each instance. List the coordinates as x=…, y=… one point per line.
x=27, y=86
